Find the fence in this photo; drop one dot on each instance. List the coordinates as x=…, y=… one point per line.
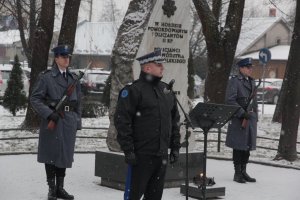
x=100, y=134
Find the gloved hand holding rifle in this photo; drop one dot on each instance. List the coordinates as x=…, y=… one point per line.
x=54, y=117
x=246, y=115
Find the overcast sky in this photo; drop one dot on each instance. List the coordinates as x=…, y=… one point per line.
x=260, y=7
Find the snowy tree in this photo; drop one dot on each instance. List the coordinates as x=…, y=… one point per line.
x=27, y=13
x=40, y=50
x=69, y=22
x=198, y=51
x=126, y=46
x=110, y=12
x=289, y=100
x=14, y=97
x=197, y=39
x=221, y=41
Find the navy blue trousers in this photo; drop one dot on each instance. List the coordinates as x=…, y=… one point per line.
x=148, y=177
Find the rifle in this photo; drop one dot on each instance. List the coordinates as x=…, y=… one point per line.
x=67, y=93
x=250, y=100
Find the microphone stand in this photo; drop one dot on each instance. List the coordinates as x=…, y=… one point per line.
x=188, y=123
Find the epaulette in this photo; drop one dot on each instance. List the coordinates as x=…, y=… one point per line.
x=236, y=77
x=129, y=84
x=46, y=71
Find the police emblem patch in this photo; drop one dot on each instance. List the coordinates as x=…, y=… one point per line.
x=124, y=93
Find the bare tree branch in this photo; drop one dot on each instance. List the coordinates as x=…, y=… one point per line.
x=221, y=45
x=216, y=8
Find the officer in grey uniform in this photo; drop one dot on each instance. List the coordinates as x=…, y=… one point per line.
x=56, y=147
x=242, y=139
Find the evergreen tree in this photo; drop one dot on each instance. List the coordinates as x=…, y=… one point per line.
x=14, y=96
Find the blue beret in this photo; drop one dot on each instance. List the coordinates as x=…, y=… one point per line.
x=244, y=62
x=62, y=50
x=154, y=56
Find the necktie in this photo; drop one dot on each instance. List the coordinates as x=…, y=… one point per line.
x=64, y=75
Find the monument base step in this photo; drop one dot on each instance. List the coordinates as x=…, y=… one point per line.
x=210, y=192
x=112, y=169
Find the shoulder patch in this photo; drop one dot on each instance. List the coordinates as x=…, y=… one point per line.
x=124, y=93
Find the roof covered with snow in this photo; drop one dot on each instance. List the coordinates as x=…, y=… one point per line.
x=9, y=37
x=253, y=29
x=95, y=38
x=280, y=52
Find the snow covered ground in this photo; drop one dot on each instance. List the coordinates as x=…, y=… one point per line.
x=22, y=178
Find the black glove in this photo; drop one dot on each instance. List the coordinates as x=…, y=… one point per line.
x=174, y=155
x=130, y=158
x=54, y=117
x=245, y=115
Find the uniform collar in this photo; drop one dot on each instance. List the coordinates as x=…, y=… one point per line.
x=149, y=78
x=241, y=76
x=55, y=70
x=62, y=71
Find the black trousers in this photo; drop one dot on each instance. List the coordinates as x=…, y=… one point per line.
x=148, y=177
x=240, y=157
x=52, y=171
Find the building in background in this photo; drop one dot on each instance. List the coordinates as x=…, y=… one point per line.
x=94, y=42
x=268, y=32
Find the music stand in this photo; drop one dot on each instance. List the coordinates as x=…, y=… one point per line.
x=207, y=116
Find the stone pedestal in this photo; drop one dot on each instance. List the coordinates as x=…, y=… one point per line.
x=112, y=169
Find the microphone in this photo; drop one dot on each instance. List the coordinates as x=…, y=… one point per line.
x=169, y=87
x=171, y=83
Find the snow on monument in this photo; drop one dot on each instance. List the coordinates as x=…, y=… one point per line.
x=168, y=29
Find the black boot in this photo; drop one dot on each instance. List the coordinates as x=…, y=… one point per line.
x=245, y=175
x=61, y=192
x=238, y=177
x=52, y=189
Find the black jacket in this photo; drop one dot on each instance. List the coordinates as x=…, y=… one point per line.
x=147, y=118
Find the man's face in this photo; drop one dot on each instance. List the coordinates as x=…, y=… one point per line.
x=62, y=61
x=246, y=70
x=153, y=68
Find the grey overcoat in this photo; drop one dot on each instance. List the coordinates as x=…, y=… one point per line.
x=238, y=91
x=56, y=146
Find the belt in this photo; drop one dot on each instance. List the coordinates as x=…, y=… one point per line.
x=69, y=108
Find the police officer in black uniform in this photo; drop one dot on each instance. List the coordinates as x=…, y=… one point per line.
x=56, y=147
x=147, y=121
x=242, y=139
